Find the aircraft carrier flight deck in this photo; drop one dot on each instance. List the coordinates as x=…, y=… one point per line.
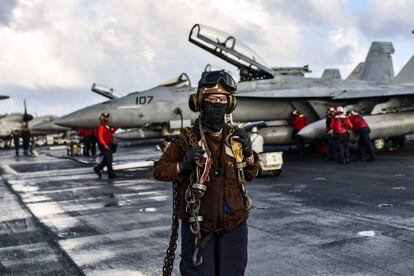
x=316, y=218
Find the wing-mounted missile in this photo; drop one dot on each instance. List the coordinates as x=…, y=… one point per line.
x=104, y=91
x=226, y=47
x=381, y=125
x=2, y=97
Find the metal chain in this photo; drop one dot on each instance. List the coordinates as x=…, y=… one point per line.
x=172, y=246
x=193, y=195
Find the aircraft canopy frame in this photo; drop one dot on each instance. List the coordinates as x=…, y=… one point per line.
x=226, y=47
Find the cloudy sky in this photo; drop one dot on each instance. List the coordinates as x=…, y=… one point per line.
x=52, y=51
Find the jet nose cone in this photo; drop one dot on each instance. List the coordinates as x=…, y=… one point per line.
x=48, y=126
x=314, y=131
x=66, y=121
x=84, y=118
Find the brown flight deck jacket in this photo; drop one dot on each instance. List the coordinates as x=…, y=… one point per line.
x=223, y=203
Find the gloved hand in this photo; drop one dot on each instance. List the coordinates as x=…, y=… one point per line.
x=190, y=156
x=244, y=139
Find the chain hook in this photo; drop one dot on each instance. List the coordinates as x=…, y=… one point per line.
x=197, y=260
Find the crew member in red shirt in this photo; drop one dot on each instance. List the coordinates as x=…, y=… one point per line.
x=361, y=128
x=298, y=122
x=88, y=136
x=331, y=147
x=341, y=127
x=105, y=143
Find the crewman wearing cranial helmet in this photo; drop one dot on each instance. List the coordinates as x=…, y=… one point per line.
x=298, y=121
x=209, y=165
x=106, y=146
x=331, y=146
x=360, y=127
x=341, y=127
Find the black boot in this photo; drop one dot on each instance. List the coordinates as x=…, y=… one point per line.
x=97, y=171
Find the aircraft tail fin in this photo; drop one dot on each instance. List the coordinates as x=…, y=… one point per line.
x=331, y=74
x=406, y=75
x=378, y=65
x=356, y=73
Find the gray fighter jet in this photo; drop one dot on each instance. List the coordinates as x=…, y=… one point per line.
x=267, y=94
x=39, y=126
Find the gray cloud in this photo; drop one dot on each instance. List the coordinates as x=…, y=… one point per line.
x=53, y=51
x=387, y=19
x=6, y=8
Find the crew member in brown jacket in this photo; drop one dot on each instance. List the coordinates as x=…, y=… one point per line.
x=208, y=165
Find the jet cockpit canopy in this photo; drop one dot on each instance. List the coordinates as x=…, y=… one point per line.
x=226, y=47
x=181, y=80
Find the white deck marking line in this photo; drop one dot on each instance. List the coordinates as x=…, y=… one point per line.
x=9, y=170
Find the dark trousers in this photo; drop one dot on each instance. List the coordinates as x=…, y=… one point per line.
x=331, y=148
x=225, y=253
x=16, y=146
x=341, y=147
x=93, y=142
x=106, y=161
x=300, y=143
x=26, y=145
x=365, y=144
x=86, y=145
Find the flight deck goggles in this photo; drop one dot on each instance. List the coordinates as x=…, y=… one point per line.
x=212, y=78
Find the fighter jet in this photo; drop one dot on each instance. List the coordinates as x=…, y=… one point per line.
x=266, y=94
x=39, y=126
x=46, y=125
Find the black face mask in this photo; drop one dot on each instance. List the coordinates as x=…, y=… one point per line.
x=212, y=117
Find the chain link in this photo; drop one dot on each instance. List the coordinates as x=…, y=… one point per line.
x=192, y=204
x=170, y=253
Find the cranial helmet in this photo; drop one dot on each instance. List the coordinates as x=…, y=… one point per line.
x=214, y=82
x=254, y=129
x=103, y=116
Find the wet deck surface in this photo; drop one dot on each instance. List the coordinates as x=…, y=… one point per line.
x=317, y=218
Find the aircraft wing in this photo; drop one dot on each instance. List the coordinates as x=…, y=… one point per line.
x=329, y=93
x=299, y=93
x=374, y=93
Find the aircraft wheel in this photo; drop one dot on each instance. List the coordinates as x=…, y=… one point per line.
x=379, y=144
x=277, y=173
